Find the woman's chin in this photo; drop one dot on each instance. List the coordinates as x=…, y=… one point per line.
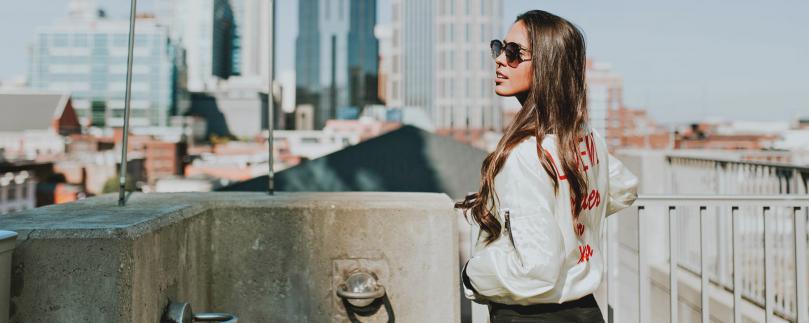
x=503, y=90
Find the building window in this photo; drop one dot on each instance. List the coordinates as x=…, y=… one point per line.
x=466, y=88
x=395, y=12
x=451, y=33
x=450, y=60
x=467, y=61
x=442, y=93
x=327, y=10
x=443, y=64
x=396, y=37
x=120, y=40
x=341, y=9
x=395, y=62
x=482, y=7
x=59, y=40
x=468, y=33
x=442, y=28
x=81, y=40
x=451, y=7
x=468, y=7
x=483, y=33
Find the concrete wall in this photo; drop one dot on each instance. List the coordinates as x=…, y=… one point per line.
x=264, y=258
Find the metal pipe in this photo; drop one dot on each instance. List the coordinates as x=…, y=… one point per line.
x=769, y=284
x=643, y=270
x=127, y=98
x=737, y=264
x=800, y=264
x=270, y=98
x=673, y=295
x=703, y=273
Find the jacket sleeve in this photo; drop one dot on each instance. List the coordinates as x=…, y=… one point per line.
x=623, y=186
x=532, y=265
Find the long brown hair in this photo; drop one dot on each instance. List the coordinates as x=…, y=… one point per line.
x=556, y=104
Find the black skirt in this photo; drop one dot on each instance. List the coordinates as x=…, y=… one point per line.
x=583, y=310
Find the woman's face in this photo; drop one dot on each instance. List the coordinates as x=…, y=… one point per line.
x=511, y=81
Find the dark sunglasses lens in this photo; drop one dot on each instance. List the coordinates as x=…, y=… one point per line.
x=512, y=52
x=497, y=48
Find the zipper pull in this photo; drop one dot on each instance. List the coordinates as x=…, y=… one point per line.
x=507, y=217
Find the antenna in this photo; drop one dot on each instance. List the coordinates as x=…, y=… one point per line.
x=270, y=97
x=124, y=144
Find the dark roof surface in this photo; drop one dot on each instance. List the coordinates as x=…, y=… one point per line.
x=405, y=160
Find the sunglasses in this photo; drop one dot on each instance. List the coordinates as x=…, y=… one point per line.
x=513, y=58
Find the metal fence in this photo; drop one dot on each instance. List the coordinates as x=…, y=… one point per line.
x=762, y=238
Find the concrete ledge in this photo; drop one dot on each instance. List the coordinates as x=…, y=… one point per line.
x=264, y=258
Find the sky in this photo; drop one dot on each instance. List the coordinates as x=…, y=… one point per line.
x=683, y=60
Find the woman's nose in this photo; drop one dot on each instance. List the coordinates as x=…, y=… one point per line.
x=500, y=60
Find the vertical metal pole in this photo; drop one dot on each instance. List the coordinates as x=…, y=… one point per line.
x=704, y=275
x=673, y=250
x=127, y=98
x=769, y=284
x=800, y=263
x=270, y=97
x=737, y=264
x=643, y=271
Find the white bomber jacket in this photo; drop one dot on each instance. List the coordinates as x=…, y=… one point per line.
x=541, y=255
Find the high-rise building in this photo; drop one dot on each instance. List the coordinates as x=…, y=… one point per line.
x=209, y=33
x=604, y=94
x=86, y=55
x=440, y=61
x=225, y=41
x=336, y=56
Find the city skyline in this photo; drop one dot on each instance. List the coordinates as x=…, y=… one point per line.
x=716, y=64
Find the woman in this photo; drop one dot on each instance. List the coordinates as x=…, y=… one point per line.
x=547, y=187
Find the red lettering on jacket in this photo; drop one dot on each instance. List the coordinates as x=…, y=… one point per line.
x=591, y=201
x=585, y=252
x=579, y=229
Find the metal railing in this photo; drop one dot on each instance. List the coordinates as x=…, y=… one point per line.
x=762, y=238
x=699, y=175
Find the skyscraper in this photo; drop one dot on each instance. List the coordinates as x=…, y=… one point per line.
x=225, y=41
x=336, y=56
x=208, y=31
x=86, y=55
x=440, y=60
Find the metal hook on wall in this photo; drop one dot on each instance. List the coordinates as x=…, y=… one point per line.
x=182, y=313
x=363, y=295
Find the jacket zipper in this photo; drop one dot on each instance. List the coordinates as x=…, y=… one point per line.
x=508, y=227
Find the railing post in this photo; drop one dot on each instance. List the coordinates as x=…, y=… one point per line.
x=800, y=214
x=643, y=271
x=737, y=264
x=673, y=268
x=703, y=252
x=769, y=286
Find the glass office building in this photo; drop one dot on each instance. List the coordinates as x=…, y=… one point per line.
x=440, y=61
x=336, y=56
x=88, y=59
